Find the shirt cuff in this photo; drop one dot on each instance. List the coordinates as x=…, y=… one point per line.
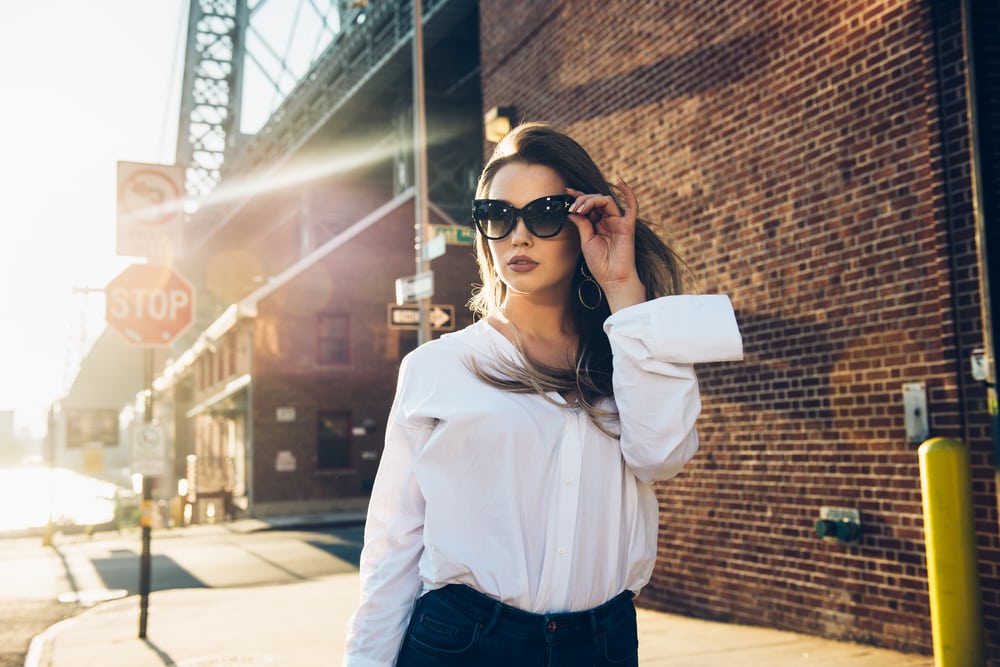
x=682, y=329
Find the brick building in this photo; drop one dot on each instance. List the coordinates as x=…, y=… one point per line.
x=810, y=159
x=278, y=400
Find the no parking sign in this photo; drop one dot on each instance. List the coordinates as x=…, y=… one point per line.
x=149, y=450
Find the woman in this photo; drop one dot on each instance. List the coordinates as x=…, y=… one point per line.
x=512, y=519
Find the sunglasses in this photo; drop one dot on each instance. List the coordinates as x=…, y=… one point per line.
x=544, y=217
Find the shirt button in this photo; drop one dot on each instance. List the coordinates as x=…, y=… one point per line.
x=569, y=482
x=561, y=551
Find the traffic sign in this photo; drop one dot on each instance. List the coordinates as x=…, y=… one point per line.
x=150, y=210
x=441, y=318
x=149, y=304
x=415, y=287
x=149, y=449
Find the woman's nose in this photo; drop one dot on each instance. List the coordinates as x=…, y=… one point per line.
x=520, y=235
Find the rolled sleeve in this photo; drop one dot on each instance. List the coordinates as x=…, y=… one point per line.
x=655, y=346
x=681, y=329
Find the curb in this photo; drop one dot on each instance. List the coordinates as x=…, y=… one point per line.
x=40, y=649
x=332, y=519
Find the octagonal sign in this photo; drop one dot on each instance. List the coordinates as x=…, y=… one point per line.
x=149, y=304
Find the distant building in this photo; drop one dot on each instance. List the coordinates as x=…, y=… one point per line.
x=6, y=426
x=10, y=451
x=84, y=426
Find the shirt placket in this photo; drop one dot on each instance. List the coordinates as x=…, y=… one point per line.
x=568, y=503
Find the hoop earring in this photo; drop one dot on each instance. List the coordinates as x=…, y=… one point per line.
x=588, y=284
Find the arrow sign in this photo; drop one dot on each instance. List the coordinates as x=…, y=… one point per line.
x=441, y=317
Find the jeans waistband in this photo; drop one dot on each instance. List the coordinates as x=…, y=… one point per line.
x=491, y=613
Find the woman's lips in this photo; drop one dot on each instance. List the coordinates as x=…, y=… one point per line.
x=521, y=264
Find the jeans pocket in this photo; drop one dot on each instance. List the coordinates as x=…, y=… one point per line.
x=438, y=629
x=620, y=649
x=621, y=642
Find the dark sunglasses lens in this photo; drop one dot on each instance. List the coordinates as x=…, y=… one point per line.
x=545, y=217
x=493, y=218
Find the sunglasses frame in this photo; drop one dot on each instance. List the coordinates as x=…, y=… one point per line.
x=515, y=213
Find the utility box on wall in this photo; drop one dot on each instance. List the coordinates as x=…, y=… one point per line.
x=839, y=524
x=915, y=408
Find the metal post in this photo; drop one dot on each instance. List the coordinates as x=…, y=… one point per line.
x=420, y=165
x=145, y=559
x=952, y=568
x=50, y=443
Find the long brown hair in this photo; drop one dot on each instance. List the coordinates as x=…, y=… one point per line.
x=660, y=270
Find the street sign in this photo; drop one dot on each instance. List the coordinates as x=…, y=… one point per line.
x=149, y=450
x=434, y=248
x=149, y=304
x=150, y=210
x=415, y=287
x=456, y=234
x=441, y=318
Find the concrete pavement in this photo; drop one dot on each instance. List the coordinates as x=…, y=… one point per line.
x=302, y=625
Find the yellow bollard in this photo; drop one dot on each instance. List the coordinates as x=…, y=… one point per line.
x=952, y=570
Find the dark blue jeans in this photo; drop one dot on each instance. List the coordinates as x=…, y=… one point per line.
x=456, y=626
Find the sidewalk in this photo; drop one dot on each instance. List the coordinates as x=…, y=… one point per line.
x=302, y=625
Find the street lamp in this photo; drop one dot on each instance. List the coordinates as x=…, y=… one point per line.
x=497, y=122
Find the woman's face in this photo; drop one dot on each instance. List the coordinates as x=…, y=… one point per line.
x=532, y=267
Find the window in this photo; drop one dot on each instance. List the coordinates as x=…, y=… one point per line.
x=333, y=442
x=332, y=339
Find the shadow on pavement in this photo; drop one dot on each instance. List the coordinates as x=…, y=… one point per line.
x=349, y=552
x=122, y=571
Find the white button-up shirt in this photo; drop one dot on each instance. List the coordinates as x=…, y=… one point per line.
x=522, y=499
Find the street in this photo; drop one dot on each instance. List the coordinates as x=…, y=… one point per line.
x=85, y=570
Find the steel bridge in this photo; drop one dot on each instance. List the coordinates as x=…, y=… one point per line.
x=320, y=68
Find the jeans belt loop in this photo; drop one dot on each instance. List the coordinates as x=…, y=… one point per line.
x=497, y=608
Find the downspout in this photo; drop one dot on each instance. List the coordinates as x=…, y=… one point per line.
x=949, y=212
x=986, y=239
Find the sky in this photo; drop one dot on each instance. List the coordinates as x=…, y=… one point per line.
x=85, y=85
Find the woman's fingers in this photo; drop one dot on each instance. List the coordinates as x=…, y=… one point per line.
x=631, y=203
x=589, y=204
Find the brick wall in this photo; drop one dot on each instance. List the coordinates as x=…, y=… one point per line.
x=807, y=159
x=358, y=280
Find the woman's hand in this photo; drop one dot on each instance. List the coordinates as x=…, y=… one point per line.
x=607, y=240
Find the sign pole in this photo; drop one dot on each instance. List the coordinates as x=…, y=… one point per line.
x=145, y=560
x=150, y=305
x=420, y=164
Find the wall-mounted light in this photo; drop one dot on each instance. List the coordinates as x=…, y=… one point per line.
x=497, y=122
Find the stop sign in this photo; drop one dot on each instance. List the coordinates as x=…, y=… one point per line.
x=149, y=304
